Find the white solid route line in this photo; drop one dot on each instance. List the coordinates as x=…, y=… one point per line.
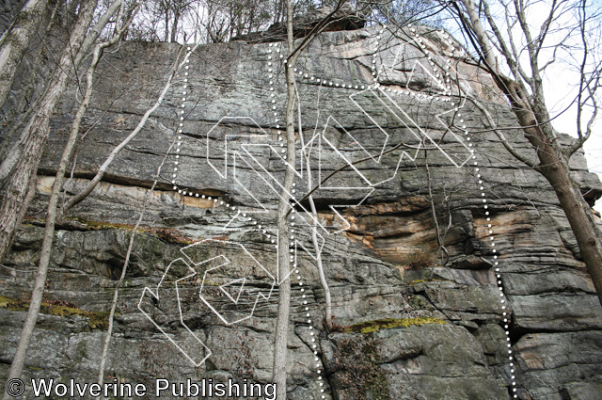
x=196, y=358
x=225, y=262
x=243, y=155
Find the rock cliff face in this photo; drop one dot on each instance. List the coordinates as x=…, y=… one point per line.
x=454, y=273
x=8, y=11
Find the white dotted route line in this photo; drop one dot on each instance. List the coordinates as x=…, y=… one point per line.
x=179, y=131
x=304, y=76
x=498, y=281
x=324, y=82
x=216, y=201
x=272, y=77
x=483, y=195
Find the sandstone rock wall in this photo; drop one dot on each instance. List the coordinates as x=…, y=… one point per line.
x=410, y=322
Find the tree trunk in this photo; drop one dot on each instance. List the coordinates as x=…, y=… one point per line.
x=105, y=349
x=22, y=183
x=14, y=42
x=29, y=100
x=174, y=28
x=35, y=136
x=14, y=154
x=24, y=157
x=578, y=213
x=166, y=35
x=533, y=116
x=314, y=233
x=556, y=170
x=554, y=166
x=284, y=206
x=46, y=251
x=323, y=281
x=284, y=293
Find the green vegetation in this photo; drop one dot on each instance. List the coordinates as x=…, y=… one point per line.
x=417, y=281
x=165, y=234
x=391, y=323
x=96, y=320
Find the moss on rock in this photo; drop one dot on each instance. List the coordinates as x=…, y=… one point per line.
x=165, y=234
x=391, y=323
x=96, y=319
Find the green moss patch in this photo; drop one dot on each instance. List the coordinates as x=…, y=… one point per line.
x=417, y=281
x=391, y=323
x=96, y=320
x=165, y=234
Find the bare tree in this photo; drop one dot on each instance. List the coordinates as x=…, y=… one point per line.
x=522, y=51
x=22, y=183
x=126, y=262
x=109, y=160
x=27, y=101
x=284, y=206
x=284, y=290
x=20, y=167
x=173, y=11
x=440, y=231
x=221, y=20
x=314, y=230
x=45, y=253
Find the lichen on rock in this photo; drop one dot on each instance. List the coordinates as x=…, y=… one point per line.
x=409, y=325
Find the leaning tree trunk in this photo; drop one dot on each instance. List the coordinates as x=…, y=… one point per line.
x=554, y=166
x=14, y=154
x=533, y=117
x=27, y=102
x=14, y=42
x=21, y=183
x=557, y=172
x=578, y=213
x=105, y=165
x=45, y=252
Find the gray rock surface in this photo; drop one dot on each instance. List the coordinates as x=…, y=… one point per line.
x=385, y=267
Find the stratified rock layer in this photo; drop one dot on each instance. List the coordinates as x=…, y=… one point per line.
x=433, y=328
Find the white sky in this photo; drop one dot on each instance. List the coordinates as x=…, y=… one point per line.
x=560, y=80
x=561, y=77
x=558, y=93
